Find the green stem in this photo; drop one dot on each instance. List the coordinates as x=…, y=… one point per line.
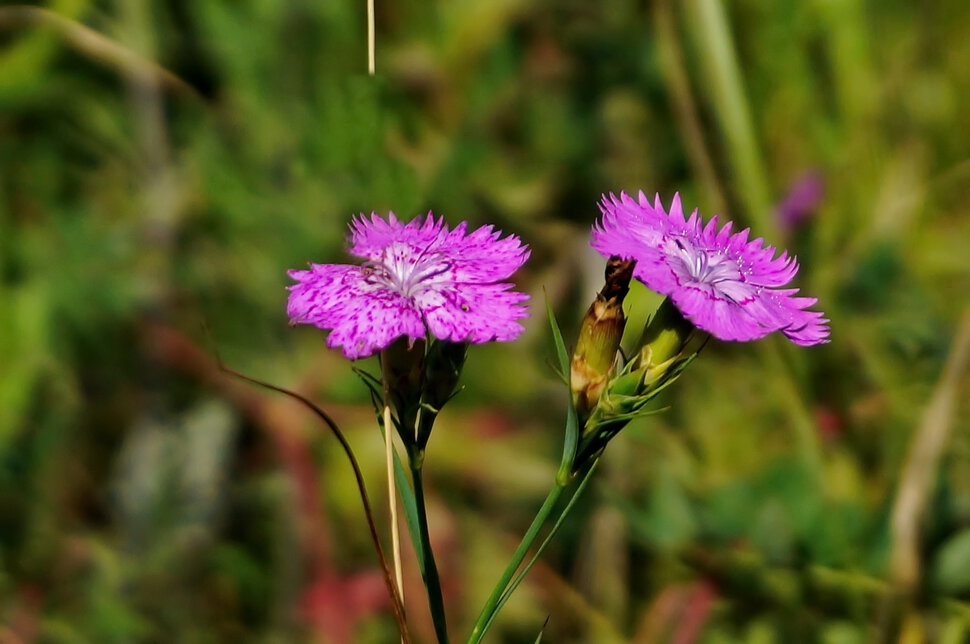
x=545, y=543
x=429, y=571
x=494, y=600
x=725, y=91
x=685, y=111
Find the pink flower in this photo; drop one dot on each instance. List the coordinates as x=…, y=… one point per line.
x=724, y=284
x=802, y=200
x=418, y=279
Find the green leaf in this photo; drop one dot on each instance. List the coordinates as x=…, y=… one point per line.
x=569, y=446
x=410, y=510
x=571, y=440
x=542, y=630
x=520, y=577
x=951, y=570
x=372, y=382
x=561, y=353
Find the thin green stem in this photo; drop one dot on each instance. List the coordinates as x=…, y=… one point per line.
x=492, y=604
x=542, y=547
x=429, y=570
x=722, y=82
x=685, y=111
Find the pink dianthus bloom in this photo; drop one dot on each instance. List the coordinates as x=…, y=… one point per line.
x=417, y=279
x=724, y=284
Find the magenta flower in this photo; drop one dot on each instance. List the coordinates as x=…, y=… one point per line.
x=418, y=279
x=724, y=284
x=802, y=200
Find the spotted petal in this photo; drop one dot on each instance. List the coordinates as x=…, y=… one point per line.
x=477, y=314
x=362, y=319
x=420, y=278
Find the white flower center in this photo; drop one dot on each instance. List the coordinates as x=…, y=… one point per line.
x=408, y=271
x=707, y=266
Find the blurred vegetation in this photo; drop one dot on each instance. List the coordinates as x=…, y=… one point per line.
x=163, y=163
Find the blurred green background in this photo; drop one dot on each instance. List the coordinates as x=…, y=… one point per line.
x=163, y=163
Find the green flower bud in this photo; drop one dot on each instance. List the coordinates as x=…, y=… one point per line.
x=421, y=378
x=599, y=338
x=403, y=365
x=443, y=365
x=668, y=344
x=664, y=340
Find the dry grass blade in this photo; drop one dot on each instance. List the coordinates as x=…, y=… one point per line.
x=922, y=464
x=92, y=44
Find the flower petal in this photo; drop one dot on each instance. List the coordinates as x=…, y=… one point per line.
x=363, y=318
x=482, y=256
x=717, y=315
x=371, y=236
x=477, y=314
x=722, y=282
x=479, y=257
x=420, y=277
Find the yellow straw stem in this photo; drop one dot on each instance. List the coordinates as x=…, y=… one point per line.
x=922, y=465
x=371, y=58
x=392, y=501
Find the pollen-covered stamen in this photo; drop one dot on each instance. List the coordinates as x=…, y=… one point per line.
x=407, y=272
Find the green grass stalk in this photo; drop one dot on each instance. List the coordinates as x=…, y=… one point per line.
x=497, y=597
x=726, y=96
x=429, y=569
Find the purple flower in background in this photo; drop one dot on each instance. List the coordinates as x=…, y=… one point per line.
x=417, y=279
x=803, y=199
x=721, y=282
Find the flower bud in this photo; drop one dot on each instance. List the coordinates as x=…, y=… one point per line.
x=421, y=378
x=599, y=337
x=664, y=339
x=668, y=344
x=443, y=365
x=403, y=366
